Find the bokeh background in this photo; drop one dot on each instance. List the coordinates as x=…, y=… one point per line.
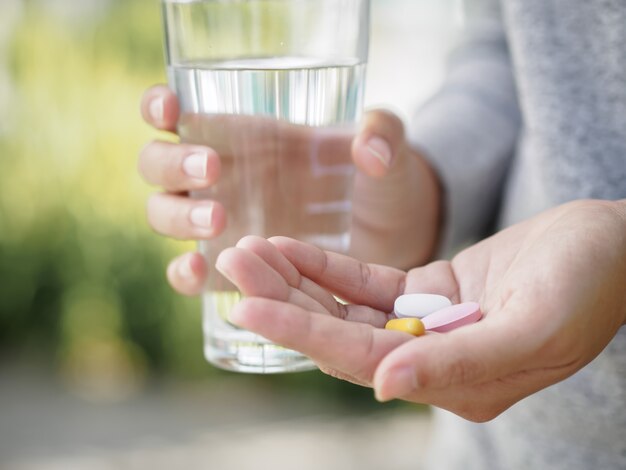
x=100, y=362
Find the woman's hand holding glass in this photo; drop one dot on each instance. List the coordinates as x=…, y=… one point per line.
x=396, y=193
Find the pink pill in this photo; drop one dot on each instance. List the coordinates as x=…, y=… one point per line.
x=450, y=318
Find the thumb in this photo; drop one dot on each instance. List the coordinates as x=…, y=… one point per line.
x=378, y=143
x=478, y=353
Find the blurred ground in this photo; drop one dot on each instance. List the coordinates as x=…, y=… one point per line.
x=214, y=425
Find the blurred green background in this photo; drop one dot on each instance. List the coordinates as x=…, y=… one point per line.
x=82, y=275
x=83, y=294
x=83, y=284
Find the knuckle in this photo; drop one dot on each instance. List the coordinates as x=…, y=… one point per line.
x=388, y=122
x=425, y=376
x=169, y=167
x=178, y=222
x=166, y=216
x=465, y=369
x=393, y=120
x=365, y=276
x=365, y=371
x=160, y=164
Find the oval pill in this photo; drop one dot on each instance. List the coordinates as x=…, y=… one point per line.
x=453, y=317
x=419, y=305
x=412, y=326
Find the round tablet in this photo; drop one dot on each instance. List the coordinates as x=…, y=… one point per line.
x=453, y=317
x=419, y=305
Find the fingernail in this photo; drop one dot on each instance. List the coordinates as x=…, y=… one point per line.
x=202, y=216
x=380, y=149
x=156, y=109
x=397, y=384
x=195, y=165
x=184, y=268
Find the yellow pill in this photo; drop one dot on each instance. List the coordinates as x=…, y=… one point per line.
x=412, y=326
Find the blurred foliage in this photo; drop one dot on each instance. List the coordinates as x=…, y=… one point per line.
x=77, y=261
x=81, y=275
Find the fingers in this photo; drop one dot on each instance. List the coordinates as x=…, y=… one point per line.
x=273, y=257
x=354, y=349
x=251, y=274
x=474, y=354
x=188, y=273
x=259, y=269
x=184, y=218
x=308, y=288
x=159, y=108
x=376, y=147
x=268, y=252
x=360, y=283
x=254, y=277
x=179, y=167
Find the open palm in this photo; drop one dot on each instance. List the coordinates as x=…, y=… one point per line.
x=552, y=291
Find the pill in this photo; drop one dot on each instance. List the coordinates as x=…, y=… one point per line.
x=412, y=326
x=450, y=318
x=419, y=305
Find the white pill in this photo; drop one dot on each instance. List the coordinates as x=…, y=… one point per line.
x=419, y=305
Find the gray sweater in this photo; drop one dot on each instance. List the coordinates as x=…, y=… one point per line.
x=533, y=114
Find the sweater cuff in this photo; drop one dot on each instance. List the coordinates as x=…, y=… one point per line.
x=469, y=143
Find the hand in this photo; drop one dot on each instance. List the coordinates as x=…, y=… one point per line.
x=395, y=201
x=551, y=289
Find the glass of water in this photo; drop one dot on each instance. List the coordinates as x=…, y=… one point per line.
x=276, y=88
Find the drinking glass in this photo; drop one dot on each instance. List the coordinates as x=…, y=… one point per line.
x=275, y=87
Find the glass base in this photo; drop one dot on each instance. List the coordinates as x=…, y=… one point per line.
x=254, y=357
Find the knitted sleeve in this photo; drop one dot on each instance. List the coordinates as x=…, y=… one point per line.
x=469, y=129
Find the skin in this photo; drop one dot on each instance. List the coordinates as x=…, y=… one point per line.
x=396, y=194
x=551, y=288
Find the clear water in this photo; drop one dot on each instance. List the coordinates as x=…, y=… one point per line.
x=299, y=90
x=283, y=129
